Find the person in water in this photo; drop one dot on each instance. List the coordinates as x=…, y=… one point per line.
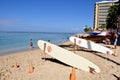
x=31, y=44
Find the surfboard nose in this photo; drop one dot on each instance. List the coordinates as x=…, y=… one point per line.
x=41, y=45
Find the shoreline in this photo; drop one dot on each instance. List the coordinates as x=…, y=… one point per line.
x=9, y=52
x=16, y=51
x=20, y=41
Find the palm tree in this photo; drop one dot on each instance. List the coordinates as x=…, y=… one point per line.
x=112, y=17
x=118, y=16
x=103, y=27
x=118, y=12
x=113, y=21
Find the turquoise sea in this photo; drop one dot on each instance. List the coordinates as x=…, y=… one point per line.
x=11, y=42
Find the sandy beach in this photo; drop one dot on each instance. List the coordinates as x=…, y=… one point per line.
x=17, y=66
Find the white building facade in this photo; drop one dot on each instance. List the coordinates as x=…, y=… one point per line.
x=101, y=12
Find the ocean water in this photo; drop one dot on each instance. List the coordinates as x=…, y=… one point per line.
x=19, y=41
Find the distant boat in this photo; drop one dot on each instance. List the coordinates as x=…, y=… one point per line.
x=94, y=33
x=97, y=36
x=104, y=34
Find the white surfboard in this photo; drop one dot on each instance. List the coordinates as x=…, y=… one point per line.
x=67, y=57
x=91, y=45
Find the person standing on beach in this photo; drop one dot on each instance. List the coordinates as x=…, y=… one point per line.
x=115, y=40
x=31, y=44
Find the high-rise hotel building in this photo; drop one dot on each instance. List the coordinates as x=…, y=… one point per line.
x=101, y=12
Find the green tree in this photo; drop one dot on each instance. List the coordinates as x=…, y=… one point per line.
x=87, y=29
x=118, y=15
x=113, y=22
x=118, y=11
x=112, y=17
x=103, y=27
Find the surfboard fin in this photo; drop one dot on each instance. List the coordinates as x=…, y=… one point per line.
x=108, y=52
x=92, y=70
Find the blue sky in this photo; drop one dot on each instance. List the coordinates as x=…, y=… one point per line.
x=46, y=15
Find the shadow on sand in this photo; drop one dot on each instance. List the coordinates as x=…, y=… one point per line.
x=118, y=78
x=107, y=59
x=95, y=53
x=55, y=61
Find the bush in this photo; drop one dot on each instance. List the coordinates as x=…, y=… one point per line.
x=87, y=29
